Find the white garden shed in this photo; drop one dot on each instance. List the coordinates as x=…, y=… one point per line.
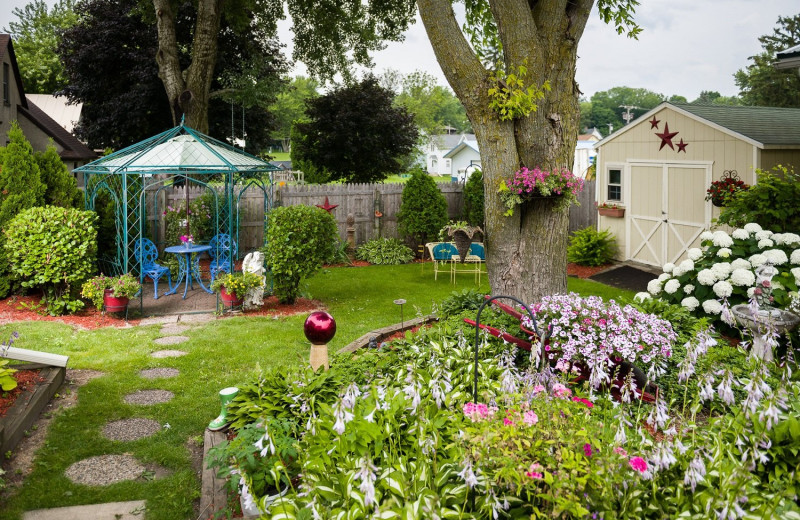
x=659, y=167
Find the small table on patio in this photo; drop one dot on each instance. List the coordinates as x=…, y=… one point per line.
x=187, y=266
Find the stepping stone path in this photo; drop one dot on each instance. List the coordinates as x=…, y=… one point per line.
x=130, y=429
x=170, y=340
x=147, y=397
x=168, y=353
x=158, y=373
x=169, y=330
x=104, y=470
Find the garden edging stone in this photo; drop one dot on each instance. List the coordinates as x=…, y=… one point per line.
x=383, y=333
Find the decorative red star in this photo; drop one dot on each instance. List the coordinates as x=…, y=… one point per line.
x=329, y=207
x=654, y=122
x=666, y=137
x=682, y=146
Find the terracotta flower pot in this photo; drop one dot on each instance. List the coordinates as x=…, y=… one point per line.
x=230, y=299
x=611, y=212
x=112, y=304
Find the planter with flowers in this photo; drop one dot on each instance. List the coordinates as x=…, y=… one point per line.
x=232, y=287
x=111, y=293
x=611, y=210
x=462, y=234
x=722, y=190
x=559, y=185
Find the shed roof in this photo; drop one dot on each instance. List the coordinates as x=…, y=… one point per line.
x=473, y=145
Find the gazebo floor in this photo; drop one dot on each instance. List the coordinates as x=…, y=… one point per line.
x=197, y=301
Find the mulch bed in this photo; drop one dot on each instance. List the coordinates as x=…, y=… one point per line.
x=26, y=381
x=585, y=271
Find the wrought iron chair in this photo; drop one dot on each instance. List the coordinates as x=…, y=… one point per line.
x=442, y=254
x=146, y=253
x=222, y=249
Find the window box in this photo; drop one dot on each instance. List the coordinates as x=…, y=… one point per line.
x=611, y=212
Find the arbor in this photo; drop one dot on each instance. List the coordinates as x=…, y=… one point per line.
x=290, y=106
x=355, y=133
x=761, y=83
x=36, y=36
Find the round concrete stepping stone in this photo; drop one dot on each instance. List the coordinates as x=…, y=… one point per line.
x=146, y=397
x=104, y=470
x=169, y=330
x=170, y=340
x=168, y=353
x=157, y=373
x=130, y=429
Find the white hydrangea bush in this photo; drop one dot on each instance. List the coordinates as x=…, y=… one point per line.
x=723, y=270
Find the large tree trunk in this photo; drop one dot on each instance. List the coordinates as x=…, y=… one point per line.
x=525, y=253
x=188, y=91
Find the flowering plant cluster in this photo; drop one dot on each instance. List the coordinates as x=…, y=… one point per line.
x=722, y=272
x=123, y=286
x=608, y=205
x=526, y=184
x=720, y=191
x=187, y=239
x=237, y=283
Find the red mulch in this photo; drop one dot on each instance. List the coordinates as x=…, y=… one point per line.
x=584, y=271
x=26, y=381
x=273, y=308
x=354, y=263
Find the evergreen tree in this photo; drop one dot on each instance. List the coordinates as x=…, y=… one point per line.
x=60, y=186
x=20, y=181
x=423, y=208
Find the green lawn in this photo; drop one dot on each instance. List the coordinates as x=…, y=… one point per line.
x=221, y=353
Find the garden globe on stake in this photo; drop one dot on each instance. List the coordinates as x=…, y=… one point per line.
x=319, y=328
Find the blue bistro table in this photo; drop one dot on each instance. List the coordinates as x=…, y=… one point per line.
x=188, y=266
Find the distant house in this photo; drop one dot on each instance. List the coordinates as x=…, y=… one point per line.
x=440, y=145
x=585, y=152
x=38, y=127
x=464, y=159
x=659, y=167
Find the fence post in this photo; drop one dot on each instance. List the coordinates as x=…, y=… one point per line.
x=378, y=207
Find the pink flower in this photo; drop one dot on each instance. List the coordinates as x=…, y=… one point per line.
x=530, y=418
x=588, y=403
x=538, y=389
x=535, y=471
x=560, y=390
x=619, y=450
x=587, y=450
x=507, y=421
x=638, y=463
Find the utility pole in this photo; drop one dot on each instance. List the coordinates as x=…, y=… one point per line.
x=627, y=116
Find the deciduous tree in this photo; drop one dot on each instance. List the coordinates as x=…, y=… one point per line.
x=290, y=106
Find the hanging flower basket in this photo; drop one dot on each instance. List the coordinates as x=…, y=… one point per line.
x=721, y=191
x=462, y=234
x=527, y=185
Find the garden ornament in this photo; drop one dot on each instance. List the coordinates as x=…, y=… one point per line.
x=226, y=395
x=254, y=263
x=319, y=328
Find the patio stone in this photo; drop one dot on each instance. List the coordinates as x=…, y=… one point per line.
x=130, y=429
x=168, y=353
x=157, y=373
x=171, y=340
x=103, y=470
x=148, y=397
x=158, y=320
x=133, y=510
x=197, y=318
x=172, y=329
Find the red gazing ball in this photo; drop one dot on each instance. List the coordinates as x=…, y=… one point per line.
x=319, y=328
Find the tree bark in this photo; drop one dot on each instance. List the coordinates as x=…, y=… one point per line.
x=525, y=253
x=188, y=91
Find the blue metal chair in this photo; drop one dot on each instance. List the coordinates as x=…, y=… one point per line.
x=222, y=249
x=145, y=252
x=442, y=254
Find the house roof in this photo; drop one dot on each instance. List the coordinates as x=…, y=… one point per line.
x=72, y=149
x=461, y=146
x=450, y=141
x=7, y=46
x=59, y=109
x=788, y=59
x=761, y=126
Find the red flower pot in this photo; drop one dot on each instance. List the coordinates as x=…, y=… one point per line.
x=230, y=299
x=113, y=304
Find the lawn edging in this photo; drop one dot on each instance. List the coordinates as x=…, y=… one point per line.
x=383, y=333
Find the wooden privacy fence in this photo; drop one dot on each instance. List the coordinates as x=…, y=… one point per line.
x=584, y=215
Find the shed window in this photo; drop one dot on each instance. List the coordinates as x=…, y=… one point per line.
x=615, y=184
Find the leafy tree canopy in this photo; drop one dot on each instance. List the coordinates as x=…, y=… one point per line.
x=355, y=133
x=290, y=106
x=608, y=106
x=760, y=83
x=434, y=107
x=36, y=36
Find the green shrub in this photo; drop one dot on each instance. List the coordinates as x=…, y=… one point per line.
x=771, y=203
x=474, y=199
x=60, y=186
x=457, y=302
x=385, y=251
x=423, y=210
x=299, y=240
x=53, y=249
x=591, y=247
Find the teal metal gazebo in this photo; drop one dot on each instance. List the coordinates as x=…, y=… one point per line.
x=132, y=176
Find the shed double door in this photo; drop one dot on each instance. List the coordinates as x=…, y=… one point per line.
x=668, y=210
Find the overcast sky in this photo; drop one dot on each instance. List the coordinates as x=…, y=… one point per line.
x=687, y=46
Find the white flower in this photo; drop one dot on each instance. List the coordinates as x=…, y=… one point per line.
x=668, y=267
x=641, y=296
x=775, y=256
x=712, y=307
x=740, y=234
x=724, y=252
x=654, y=287
x=722, y=239
x=688, y=288
x=750, y=292
x=761, y=235
x=706, y=235
x=694, y=254
x=706, y=277
x=723, y=289
x=752, y=227
x=743, y=277
x=788, y=239
x=690, y=303
x=740, y=263
x=672, y=286
x=796, y=272
x=795, y=258
x=721, y=270
x=663, y=277
x=765, y=243
x=757, y=259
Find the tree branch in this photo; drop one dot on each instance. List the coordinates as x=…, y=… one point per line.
x=518, y=31
x=169, y=67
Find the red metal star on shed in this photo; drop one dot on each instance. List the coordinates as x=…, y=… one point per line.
x=328, y=206
x=682, y=146
x=654, y=122
x=666, y=137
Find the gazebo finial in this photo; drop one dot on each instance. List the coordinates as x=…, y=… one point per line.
x=183, y=118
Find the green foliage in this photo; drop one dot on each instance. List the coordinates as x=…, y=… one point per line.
x=434, y=107
x=124, y=286
x=458, y=302
x=385, y=251
x=20, y=180
x=423, y=208
x=591, y=247
x=607, y=106
x=53, y=249
x=771, y=202
x=299, y=240
x=289, y=106
x=7, y=381
x=511, y=99
x=311, y=173
x=237, y=284
x=474, y=199
x=60, y=186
